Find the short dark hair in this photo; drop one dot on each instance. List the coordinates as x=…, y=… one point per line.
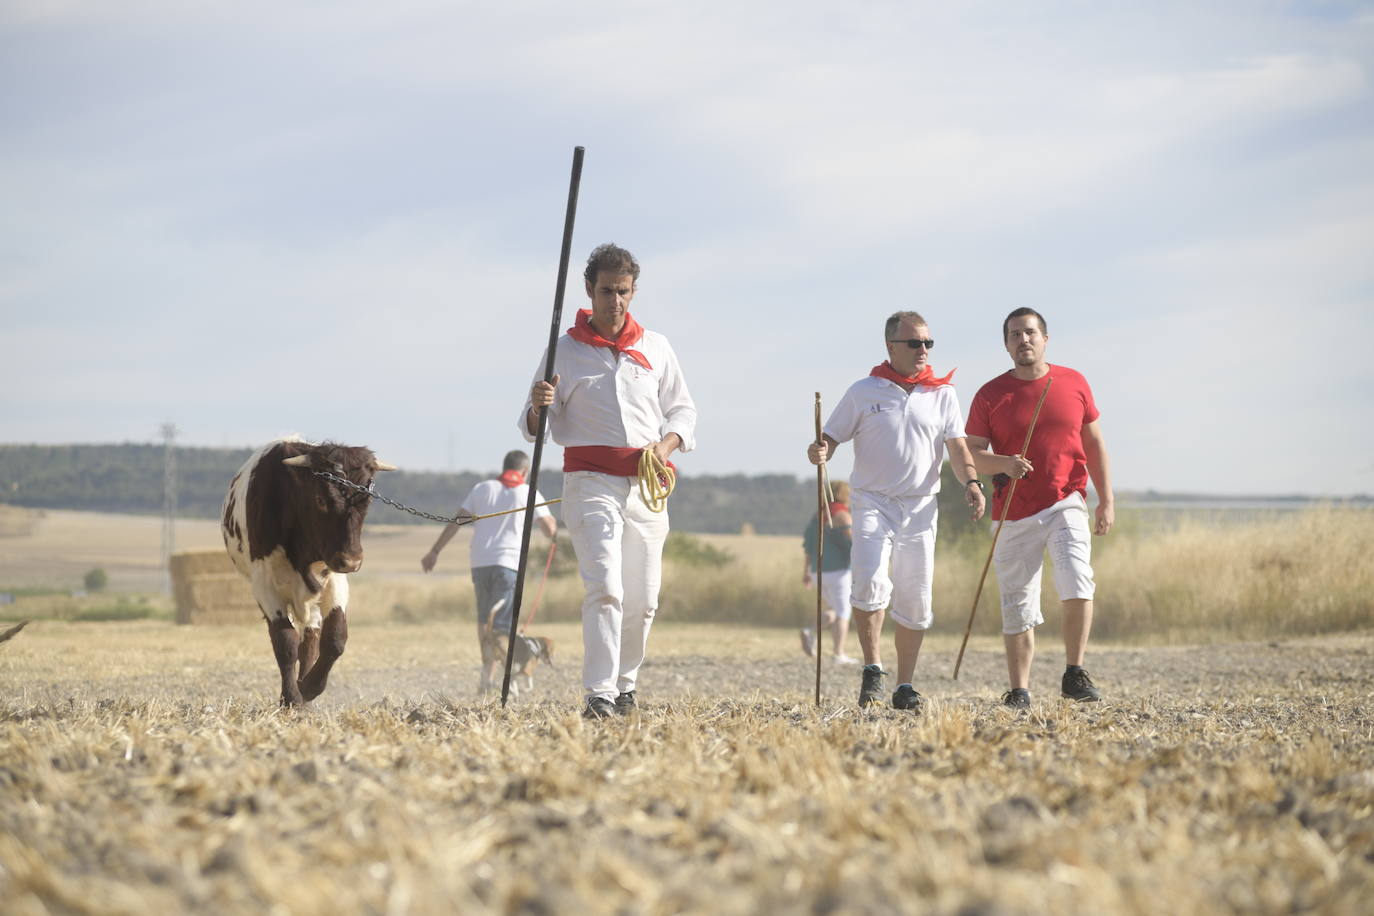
x=515, y=461
x=1022, y=313
x=614, y=260
x=896, y=318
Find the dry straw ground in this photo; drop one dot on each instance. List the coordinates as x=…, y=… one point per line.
x=144, y=766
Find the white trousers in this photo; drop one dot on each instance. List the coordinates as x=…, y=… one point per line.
x=619, y=546
x=836, y=586
x=1019, y=558
x=900, y=532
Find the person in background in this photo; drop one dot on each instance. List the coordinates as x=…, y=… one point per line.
x=835, y=579
x=495, y=550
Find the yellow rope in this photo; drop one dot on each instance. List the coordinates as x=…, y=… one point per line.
x=656, y=481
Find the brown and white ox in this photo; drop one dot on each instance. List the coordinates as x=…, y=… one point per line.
x=295, y=535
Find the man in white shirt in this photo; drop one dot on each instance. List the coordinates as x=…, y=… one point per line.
x=495, y=550
x=901, y=418
x=624, y=393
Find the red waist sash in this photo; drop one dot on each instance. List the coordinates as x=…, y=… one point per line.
x=604, y=459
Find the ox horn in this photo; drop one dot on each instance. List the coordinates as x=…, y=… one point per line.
x=383, y=466
x=300, y=461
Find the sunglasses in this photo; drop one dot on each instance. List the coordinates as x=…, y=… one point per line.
x=915, y=342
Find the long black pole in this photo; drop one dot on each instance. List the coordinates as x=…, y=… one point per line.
x=554, y=326
x=820, y=545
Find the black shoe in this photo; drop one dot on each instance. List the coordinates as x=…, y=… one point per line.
x=906, y=697
x=1076, y=685
x=871, y=691
x=1016, y=698
x=598, y=708
x=625, y=703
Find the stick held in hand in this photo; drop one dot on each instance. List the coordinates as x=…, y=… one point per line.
x=822, y=522
x=568, y=220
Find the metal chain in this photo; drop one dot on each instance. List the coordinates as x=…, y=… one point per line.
x=373, y=494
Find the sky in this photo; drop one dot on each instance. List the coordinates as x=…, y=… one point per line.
x=343, y=219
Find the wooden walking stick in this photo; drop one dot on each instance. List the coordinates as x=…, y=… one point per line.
x=1006, y=506
x=822, y=516
x=568, y=221
x=548, y=564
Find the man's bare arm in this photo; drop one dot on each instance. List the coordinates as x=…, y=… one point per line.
x=1099, y=469
x=988, y=463
x=428, y=560
x=966, y=472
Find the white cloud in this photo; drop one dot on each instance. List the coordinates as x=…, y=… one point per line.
x=254, y=186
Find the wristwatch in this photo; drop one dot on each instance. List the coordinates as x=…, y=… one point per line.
x=975, y=482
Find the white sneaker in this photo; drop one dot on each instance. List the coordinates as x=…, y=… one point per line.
x=808, y=641
x=844, y=660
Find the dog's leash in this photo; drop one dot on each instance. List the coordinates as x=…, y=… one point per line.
x=539, y=596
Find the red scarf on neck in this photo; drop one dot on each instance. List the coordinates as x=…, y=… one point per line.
x=925, y=377
x=629, y=335
x=511, y=479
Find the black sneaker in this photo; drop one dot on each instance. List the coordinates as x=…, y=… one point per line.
x=1076, y=685
x=871, y=690
x=906, y=697
x=1016, y=698
x=598, y=708
x=625, y=703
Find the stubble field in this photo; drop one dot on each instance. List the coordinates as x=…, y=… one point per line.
x=144, y=768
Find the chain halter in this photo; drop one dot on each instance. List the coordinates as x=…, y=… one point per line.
x=371, y=492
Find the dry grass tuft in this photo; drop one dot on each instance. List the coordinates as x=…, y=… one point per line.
x=1286, y=574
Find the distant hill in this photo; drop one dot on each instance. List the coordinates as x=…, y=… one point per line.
x=129, y=478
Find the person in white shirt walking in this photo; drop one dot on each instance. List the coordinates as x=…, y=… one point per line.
x=495, y=550
x=624, y=393
x=901, y=418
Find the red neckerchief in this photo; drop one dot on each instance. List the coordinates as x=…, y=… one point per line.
x=629, y=335
x=511, y=479
x=925, y=377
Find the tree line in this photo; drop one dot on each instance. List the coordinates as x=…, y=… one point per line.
x=129, y=478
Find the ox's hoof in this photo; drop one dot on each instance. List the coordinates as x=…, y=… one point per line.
x=291, y=698
x=311, y=688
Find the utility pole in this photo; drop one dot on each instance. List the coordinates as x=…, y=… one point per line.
x=169, y=501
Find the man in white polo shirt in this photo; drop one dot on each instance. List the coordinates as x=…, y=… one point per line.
x=622, y=392
x=495, y=551
x=901, y=418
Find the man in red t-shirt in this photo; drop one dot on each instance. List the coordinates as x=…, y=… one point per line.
x=1049, y=507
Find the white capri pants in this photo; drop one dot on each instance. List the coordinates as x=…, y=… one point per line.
x=1019, y=558
x=836, y=586
x=900, y=532
x=619, y=547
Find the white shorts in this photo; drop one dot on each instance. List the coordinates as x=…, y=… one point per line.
x=902, y=532
x=1020, y=554
x=835, y=588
